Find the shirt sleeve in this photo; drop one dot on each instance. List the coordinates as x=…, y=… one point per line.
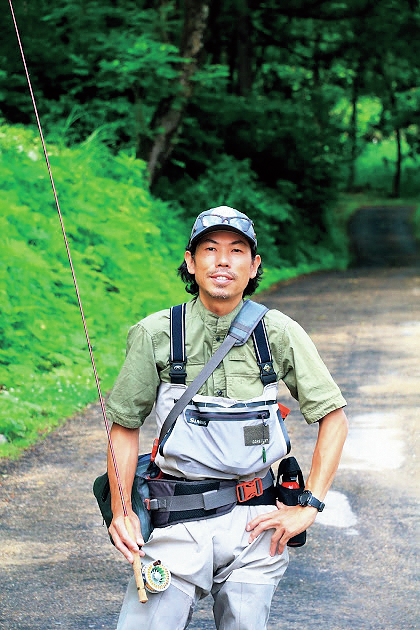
x=307, y=377
x=134, y=392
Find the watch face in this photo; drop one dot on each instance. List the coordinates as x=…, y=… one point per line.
x=304, y=498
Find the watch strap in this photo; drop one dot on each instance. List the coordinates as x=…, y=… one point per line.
x=307, y=498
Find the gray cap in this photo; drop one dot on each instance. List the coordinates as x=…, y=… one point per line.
x=223, y=218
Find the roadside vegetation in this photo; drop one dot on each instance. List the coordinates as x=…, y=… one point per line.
x=154, y=111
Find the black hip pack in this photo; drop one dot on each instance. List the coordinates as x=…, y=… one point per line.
x=139, y=494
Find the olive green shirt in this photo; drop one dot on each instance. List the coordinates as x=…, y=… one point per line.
x=295, y=359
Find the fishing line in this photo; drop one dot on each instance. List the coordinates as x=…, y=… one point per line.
x=136, y=556
x=114, y=461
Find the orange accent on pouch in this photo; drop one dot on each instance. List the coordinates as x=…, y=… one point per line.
x=283, y=410
x=154, y=449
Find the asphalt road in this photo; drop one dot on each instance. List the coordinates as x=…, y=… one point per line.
x=358, y=569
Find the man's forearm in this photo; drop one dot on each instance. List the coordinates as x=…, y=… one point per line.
x=332, y=434
x=126, y=448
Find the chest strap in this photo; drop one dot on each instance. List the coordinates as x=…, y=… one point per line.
x=178, y=358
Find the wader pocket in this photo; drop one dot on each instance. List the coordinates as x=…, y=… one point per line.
x=236, y=440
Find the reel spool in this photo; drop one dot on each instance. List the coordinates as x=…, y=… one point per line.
x=156, y=577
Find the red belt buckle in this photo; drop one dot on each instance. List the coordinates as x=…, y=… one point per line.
x=249, y=489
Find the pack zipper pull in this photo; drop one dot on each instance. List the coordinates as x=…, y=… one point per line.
x=264, y=457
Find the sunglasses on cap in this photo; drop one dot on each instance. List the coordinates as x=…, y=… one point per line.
x=207, y=220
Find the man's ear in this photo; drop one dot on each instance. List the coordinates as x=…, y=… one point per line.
x=189, y=259
x=255, y=264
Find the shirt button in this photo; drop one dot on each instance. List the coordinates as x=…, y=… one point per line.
x=219, y=392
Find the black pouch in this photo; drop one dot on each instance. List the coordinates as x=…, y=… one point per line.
x=290, y=484
x=139, y=493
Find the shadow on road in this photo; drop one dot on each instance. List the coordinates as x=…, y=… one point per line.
x=383, y=236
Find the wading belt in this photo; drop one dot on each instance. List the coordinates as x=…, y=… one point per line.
x=173, y=501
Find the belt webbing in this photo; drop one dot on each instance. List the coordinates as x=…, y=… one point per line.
x=204, y=500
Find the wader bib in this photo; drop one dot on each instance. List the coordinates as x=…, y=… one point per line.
x=215, y=437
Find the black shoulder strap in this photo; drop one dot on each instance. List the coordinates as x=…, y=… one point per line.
x=177, y=359
x=263, y=353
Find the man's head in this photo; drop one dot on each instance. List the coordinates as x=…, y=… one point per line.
x=221, y=263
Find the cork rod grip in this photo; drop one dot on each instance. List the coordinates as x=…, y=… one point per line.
x=136, y=565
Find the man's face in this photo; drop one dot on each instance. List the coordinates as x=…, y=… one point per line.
x=222, y=265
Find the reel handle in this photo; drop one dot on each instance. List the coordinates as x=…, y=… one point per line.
x=136, y=565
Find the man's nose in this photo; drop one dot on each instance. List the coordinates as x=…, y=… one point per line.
x=222, y=259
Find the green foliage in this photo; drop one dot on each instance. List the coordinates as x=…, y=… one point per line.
x=124, y=245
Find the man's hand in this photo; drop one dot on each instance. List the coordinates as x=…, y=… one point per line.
x=123, y=542
x=287, y=521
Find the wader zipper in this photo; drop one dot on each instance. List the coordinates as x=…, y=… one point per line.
x=203, y=418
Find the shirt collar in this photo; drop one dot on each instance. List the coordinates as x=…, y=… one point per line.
x=220, y=322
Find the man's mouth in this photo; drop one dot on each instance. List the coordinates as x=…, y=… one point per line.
x=221, y=278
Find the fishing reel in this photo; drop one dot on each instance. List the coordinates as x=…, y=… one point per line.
x=156, y=577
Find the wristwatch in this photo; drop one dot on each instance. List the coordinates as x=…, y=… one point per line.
x=307, y=498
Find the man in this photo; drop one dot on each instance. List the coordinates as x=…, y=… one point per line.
x=238, y=556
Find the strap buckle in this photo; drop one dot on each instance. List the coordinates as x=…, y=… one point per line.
x=177, y=372
x=249, y=489
x=153, y=504
x=267, y=372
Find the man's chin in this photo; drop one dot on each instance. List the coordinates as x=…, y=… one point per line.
x=220, y=295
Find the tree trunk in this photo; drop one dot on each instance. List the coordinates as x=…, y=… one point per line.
x=169, y=114
x=353, y=134
x=244, y=51
x=396, y=183
x=397, y=175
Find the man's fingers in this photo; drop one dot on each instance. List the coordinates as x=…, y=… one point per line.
x=123, y=541
x=258, y=520
x=260, y=524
